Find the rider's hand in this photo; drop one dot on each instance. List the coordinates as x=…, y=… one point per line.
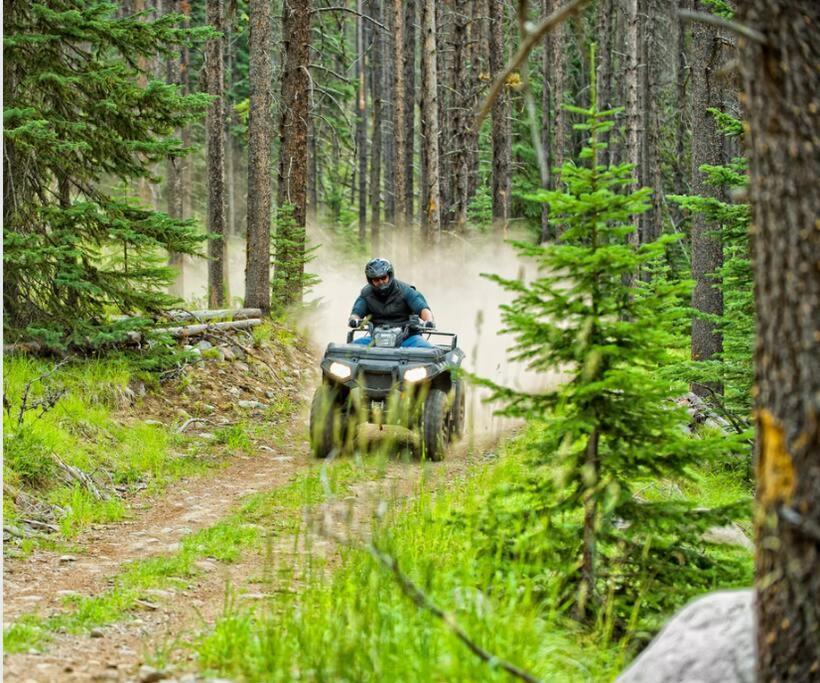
x=353, y=322
x=429, y=324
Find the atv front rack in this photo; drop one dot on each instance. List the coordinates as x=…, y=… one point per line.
x=424, y=332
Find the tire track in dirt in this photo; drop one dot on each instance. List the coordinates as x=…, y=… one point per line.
x=115, y=652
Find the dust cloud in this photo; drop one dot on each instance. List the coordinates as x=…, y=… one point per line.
x=449, y=277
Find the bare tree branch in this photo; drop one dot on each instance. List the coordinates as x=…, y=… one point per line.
x=412, y=591
x=720, y=22
x=352, y=11
x=527, y=45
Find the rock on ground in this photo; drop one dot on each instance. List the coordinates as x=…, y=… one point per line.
x=711, y=640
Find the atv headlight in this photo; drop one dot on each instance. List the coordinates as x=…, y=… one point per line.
x=415, y=374
x=340, y=370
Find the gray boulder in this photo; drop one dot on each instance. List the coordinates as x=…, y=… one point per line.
x=711, y=640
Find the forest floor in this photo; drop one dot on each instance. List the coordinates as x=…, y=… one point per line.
x=126, y=600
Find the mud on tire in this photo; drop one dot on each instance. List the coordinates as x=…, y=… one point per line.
x=457, y=410
x=327, y=428
x=435, y=425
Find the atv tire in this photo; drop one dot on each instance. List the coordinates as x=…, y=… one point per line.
x=457, y=411
x=435, y=426
x=327, y=418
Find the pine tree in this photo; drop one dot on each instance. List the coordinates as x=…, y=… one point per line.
x=732, y=369
x=614, y=421
x=76, y=117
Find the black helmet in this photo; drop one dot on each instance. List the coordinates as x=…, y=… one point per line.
x=378, y=267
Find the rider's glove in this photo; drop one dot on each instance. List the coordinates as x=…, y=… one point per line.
x=353, y=322
x=429, y=324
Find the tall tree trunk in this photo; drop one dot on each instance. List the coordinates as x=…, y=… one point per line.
x=313, y=170
x=653, y=52
x=361, y=122
x=399, y=149
x=214, y=124
x=409, y=102
x=260, y=136
x=617, y=142
x=174, y=167
x=780, y=86
x=376, y=79
x=478, y=48
x=230, y=170
x=605, y=30
x=462, y=106
x=388, y=140
x=443, y=49
x=682, y=101
x=292, y=180
x=560, y=128
x=185, y=80
x=632, y=83
x=589, y=551
x=429, y=122
x=548, y=104
x=500, y=120
x=707, y=148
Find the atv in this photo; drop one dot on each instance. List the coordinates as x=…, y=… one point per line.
x=416, y=392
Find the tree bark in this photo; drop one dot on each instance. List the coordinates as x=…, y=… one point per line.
x=292, y=181
x=430, y=122
x=500, y=120
x=632, y=81
x=462, y=106
x=478, y=45
x=560, y=132
x=589, y=550
x=230, y=170
x=653, y=52
x=548, y=106
x=683, y=105
x=260, y=136
x=361, y=122
x=780, y=86
x=214, y=124
x=604, y=73
x=444, y=73
x=409, y=102
x=175, y=195
x=399, y=149
x=376, y=79
x=388, y=139
x=707, y=148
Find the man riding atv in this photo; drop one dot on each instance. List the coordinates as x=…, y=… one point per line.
x=389, y=301
x=406, y=386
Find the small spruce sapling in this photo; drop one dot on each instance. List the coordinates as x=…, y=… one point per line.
x=614, y=424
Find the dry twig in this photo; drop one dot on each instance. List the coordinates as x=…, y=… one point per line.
x=527, y=45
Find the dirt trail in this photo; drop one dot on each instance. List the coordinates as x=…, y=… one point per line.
x=116, y=652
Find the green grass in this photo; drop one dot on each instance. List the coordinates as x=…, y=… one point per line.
x=352, y=622
x=264, y=514
x=82, y=509
x=82, y=430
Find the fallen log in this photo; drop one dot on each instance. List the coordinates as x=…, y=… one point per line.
x=181, y=332
x=195, y=330
x=180, y=315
